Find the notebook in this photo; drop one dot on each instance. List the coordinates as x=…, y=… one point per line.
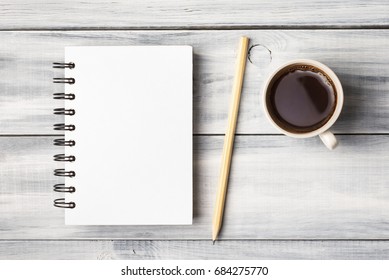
x=128, y=135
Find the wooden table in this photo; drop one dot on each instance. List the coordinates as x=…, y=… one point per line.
x=287, y=198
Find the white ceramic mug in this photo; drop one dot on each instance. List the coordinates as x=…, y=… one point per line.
x=325, y=135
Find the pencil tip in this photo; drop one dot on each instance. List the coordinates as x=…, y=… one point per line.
x=213, y=243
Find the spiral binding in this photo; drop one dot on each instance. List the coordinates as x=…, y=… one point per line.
x=62, y=157
x=68, y=96
x=63, y=142
x=64, y=80
x=61, y=65
x=62, y=126
x=61, y=172
x=60, y=202
x=63, y=111
x=62, y=188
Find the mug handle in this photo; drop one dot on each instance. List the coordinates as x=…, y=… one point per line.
x=329, y=139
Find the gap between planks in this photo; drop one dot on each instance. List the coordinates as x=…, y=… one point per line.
x=199, y=134
x=205, y=28
x=201, y=240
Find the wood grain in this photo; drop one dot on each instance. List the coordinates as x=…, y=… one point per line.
x=319, y=194
x=76, y=14
x=192, y=249
x=359, y=57
x=347, y=200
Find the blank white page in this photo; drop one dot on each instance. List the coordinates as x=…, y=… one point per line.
x=133, y=135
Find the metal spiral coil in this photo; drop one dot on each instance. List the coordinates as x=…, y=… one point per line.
x=63, y=142
x=64, y=81
x=62, y=65
x=63, y=111
x=64, y=96
x=61, y=203
x=61, y=172
x=62, y=126
x=61, y=188
x=63, y=157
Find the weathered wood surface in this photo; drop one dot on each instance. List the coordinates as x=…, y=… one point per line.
x=359, y=57
x=196, y=249
x=347, y=196
x=280, y=188
x=54, y=14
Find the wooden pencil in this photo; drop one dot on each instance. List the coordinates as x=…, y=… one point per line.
x=229, y=137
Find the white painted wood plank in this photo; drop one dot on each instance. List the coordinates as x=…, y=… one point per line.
x=359, y=57
x=279, y=188
x=192, y=13
x=151, y=250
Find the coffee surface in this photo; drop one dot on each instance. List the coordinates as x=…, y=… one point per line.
x=302, y=100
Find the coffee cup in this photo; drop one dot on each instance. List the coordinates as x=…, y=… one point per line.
x=303, y=98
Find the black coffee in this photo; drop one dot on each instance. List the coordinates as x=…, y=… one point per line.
x=301, y=98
